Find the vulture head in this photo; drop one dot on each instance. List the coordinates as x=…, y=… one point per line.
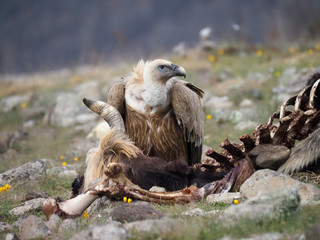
x=161, y=71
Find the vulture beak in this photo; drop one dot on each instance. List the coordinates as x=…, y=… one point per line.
x=178, y=71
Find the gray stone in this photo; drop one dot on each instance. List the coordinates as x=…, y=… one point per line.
x=29, y=171
x=7, y=104
x=68, y=173
x=160, y=226
x=194, y=212
x=33, y=227
x=6, y=140
x=126, y=212
x=88, y=89
x=257, y=77
x=265, y=236
x=34, y=204
x=5, y=227
x=53, y=222
x=109, y=231
x=223, y=197
x=33, y=194
x=245, y=125
x=215, y=102
x=99, y=204
x=269, y=180
x=11, y=236
x=68, y=224
x=246, y=103
x=268, y=205
x=69, y=111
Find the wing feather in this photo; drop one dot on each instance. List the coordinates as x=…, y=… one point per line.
x=187, y=107
x=116, y=97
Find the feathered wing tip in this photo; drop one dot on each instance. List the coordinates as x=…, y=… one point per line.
x=304, y=155
x=113, y=145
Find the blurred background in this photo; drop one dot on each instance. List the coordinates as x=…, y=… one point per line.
x=40, y=35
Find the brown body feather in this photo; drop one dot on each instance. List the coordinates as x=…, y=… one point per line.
x=157, y=134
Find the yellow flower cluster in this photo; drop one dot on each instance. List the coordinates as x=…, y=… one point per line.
x=125, y=199
x=23, y=105
x=5, y=188
x=208, y=117
x=212, y=58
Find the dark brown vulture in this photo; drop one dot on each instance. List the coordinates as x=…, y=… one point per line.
x=162, y=114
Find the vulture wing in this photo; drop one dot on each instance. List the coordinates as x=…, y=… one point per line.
x=186, y=104
x=116, y=97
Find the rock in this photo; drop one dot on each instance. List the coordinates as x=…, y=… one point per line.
x=88, y=89
x=215, y=102
x=67, y=174
x=29, y=171
x=33, y=227
x=99, y=130
x=68, y=224
x=314, y=232
x=246, y=125
x=269, y=156
x=7, y=104
x=11, y=236
x=180, y=49
x=80, y=146
x=223, y=197
x=269, y=180
x=246, y=103
x=98, y=205
x=257, y=77
x=125, y=212
x=109, y=231
x=8, y=155
x=224, y=75
x=33, y=194
x=69, y=111
x=267, y=205
x=6, y=140
x=34, y=204
x=265, y=236
x=5, y=227
x=194, y=212
x=160, y=226
x=69, y=171
x=53, y=223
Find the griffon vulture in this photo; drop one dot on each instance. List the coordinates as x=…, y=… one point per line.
x=162, y=114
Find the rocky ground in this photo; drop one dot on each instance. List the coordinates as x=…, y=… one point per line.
x=46, y=132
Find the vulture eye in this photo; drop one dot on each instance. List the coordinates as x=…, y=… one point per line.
x=162, y=67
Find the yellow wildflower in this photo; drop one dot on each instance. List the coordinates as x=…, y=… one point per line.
x=277, y=73
x=236, y=201
x=318, y=47
x=75, y=159
x=292, y=50
x=221, y=51
x=125, y=199
x=64, y=163
x=129, y=200
x=212, y=58
x=61, y=157
x=208, y=117
x=75, y=79
x=310, y=51
x=5, y=188
x=259, y=53
x=23, y=105
x=85, y=214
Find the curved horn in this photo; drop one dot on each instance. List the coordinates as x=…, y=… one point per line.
x=110, y=114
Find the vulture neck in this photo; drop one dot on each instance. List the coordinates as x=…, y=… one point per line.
x=155, y=93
